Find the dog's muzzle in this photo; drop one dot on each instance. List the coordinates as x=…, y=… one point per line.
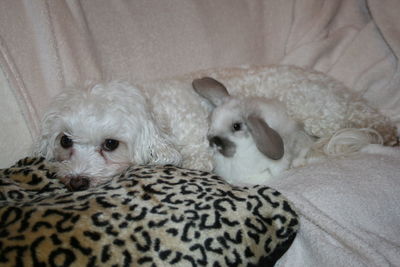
x=223, y=145
x=78, y=183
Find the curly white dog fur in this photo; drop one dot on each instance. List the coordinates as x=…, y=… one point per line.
x=97, y=131
x=323, y=105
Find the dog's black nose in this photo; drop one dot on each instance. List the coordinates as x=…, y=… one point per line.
x=215, y=141
x=79, y=183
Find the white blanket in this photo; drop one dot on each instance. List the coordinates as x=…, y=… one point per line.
x=350, y=211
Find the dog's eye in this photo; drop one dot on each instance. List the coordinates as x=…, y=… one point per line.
x=237, y=126
x=110, y=144
x=66, y=142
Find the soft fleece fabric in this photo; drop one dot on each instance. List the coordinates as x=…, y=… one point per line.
x=349, y=211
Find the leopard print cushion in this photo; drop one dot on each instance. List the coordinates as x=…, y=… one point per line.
x=150, y=216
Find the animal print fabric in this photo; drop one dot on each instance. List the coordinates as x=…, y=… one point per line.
x=147, y=216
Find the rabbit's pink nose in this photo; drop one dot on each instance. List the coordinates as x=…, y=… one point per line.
x=79, y=183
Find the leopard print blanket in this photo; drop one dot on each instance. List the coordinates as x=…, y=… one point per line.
x=147, y=216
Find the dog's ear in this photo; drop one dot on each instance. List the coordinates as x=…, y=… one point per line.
x=43, y=148
x=211, y=89
x=267, y=140
x=154, y=146
x=44, y=144
x=163, y=151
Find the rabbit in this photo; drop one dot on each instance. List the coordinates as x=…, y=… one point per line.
x=253, y=139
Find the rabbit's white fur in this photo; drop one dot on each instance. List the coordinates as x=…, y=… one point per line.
x=248, y=164
x=242, y=152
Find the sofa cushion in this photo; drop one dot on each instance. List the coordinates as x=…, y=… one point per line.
x=152, y=216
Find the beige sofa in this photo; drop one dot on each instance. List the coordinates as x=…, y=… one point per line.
x=46, y=45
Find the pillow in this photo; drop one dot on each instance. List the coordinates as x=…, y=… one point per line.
x=149, y=215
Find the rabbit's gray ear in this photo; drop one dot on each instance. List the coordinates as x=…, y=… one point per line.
x=268, y=141
x=210, y=89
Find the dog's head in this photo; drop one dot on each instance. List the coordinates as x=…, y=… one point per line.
x=97, y=131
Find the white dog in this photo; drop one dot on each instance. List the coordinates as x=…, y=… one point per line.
x=97, y=131
x=171, y=126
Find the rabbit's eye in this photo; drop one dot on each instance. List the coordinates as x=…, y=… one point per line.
x=66, y=142
x=110, y=144
x=237, y=126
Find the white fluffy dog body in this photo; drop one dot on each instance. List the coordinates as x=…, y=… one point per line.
x=171, y=126
x=331, y=120
x=97, y=131
x=340, y=120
